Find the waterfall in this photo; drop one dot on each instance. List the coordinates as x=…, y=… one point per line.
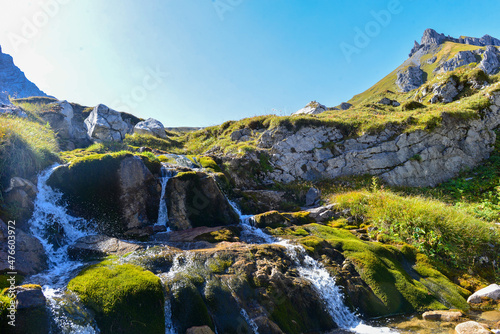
x=166, y=174
x=56, y=230
x=314, y=272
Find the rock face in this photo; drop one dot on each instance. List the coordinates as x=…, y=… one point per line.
x=118, y=192
x=105, y=124
x=4, y=99
x=444, y=92
x=30, y=256
x=410, y=78
x=194, y=199
x=13, y=81
x=490, y=63
x=460, y=59
x=313, y=108
x=99, y=246
x=420, y=158
x=67, y=124
x=492, y=291
x=152, y=127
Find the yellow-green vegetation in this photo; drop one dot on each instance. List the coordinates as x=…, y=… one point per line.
x=5, y=301
x=125, y=298
x=172, y=144
x=443, y=232
x=401, y=278
x=275, y=219
x=227, y=234
x=26, y=147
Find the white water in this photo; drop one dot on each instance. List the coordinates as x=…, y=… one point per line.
x=49, y=219
x=166, y=174
x=315, y=273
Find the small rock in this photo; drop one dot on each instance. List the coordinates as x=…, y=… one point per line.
x=492, y=291
x=97, y=246
x=490, y=62
x=312, y=196
x=471, y=327
x=442, y=315
x=345, y=106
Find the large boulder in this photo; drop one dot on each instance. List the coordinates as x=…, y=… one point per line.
x=67, y=123
x=490, y=63
x=313, y=108
x=105, y=124
x=194, y=199
x=118, y=192
x=29, y=253
x=492, y=292
x=151, y=127
x=410, y=78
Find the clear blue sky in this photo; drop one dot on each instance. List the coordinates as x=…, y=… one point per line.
x=202, y=62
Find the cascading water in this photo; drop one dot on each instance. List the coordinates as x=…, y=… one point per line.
x=315, y=273
x=166, y=174
x=56, y=230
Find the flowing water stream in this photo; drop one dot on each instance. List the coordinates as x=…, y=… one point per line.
x=56, y=230
x=166, y=174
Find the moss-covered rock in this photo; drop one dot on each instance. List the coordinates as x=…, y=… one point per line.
x=117, y=191
x=276, y=219
x=125, y=298
x=395, y=280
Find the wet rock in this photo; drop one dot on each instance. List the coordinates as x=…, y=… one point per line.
x=29, y=253
x=32, y=315
x=258, y=201
x=471, y=327
x=313, y=108
x=151, y=127
x=448, y=316
x=492, y=292
x=28, y=296
x=410, y=78
x=119, y=192
x=105, y=124
x=194, y=199
x=200, y=330
x=98, y=246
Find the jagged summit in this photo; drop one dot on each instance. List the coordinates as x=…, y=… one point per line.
x=432, y=38
x=13, y=81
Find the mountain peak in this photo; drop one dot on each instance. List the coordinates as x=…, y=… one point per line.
x=13, y=81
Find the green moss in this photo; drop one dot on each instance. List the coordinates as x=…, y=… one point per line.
x=125, y=298
x=227, y=234
x=412, y=105
x=187, y=176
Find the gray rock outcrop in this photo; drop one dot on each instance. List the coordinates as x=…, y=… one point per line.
x=345, y=106
x=445, y=92
x=13, y=81
x=460, y=59
x=490, y=63
x=66, y=124
x=410, y=78
x=419, y=158
x=4, y=99
x=105, y=124
x=492, y=291
x=388, y=102
x=151, y=127
x=313, y=108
